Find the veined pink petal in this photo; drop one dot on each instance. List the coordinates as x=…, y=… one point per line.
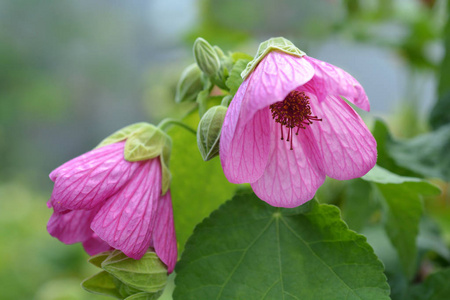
x=88, y=180
x=291, y=177
x=164, y=238
x=95, y=245
x=273, y=79
x=126, y=220
x=71, y=227
x=244, y=148
x=347, y=147
x=331, y=80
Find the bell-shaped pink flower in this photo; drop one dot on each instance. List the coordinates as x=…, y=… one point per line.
x=287, y=127
x=106, y=202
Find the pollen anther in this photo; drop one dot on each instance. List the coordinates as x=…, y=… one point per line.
x=293, y=111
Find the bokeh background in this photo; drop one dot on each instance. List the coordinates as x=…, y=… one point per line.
x=72, y=72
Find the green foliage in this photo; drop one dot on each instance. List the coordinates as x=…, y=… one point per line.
x=248, y=249
x=197, y=187
x=235, y=80
x=403, y=209
x=426, y=155
x=435, y=287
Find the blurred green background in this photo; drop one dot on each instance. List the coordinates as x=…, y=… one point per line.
x=72, y=72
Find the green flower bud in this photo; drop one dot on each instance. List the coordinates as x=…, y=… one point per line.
x=189, y=85
x=208, y=132
x=126, y=278
x=206, y=57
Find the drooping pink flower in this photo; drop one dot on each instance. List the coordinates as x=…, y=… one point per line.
x=287, y=128
x=106, y=202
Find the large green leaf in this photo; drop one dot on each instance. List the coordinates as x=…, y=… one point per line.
x=403, y=209
x=426, y=155
x=435, y=287
x=248, y=249
x=198, y=187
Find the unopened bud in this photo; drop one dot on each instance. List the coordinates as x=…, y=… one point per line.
x=208, y=133
x=126, y=278
x=206, y=57
x=189, y=85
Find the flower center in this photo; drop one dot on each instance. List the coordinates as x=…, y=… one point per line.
x=293, y=111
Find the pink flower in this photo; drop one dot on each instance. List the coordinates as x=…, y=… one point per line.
x=106, y=202
x=287, y=127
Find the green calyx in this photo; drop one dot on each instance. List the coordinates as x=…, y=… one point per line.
x=189, y=85
x=273, y=44
x=126, y=278
x=144, y=141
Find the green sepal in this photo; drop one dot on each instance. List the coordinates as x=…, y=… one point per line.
x=102, y=283
x=97, y=260
x=145, y=141
x=147, y=274
x=206, y=57
x=189, y=85
x=145, y=296
x=273, y=44
x=121, y=134
x=208, y=132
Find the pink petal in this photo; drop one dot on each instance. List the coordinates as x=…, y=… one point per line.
x=292, y=177
x=164, y=238
x=347, y=147
x=88, y=180
x=95, y=245
x=273, y=79
x=331, y=80
x=126, y=220
x=72, y=226
x=244, y=146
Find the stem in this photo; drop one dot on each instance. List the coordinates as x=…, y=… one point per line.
x=168, y=121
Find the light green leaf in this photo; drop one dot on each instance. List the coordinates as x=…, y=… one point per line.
x=197, y=187
x=403, y=210
x=235, y=80
x=147, y=274
x=189, y=84
x=103, y=284
x=248, y=249
x=278, y=44
x=145, y=143
x=435, y=287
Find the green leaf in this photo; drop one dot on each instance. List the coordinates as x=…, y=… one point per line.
x=248, y=249
x=435, y=287
x=403, y=210
x=439, y=114
x=147, y=274
x=427, y=154
x=359, y=204
x=235, y=80
x=384, y=142
x=197, y=187
x=103, y=284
